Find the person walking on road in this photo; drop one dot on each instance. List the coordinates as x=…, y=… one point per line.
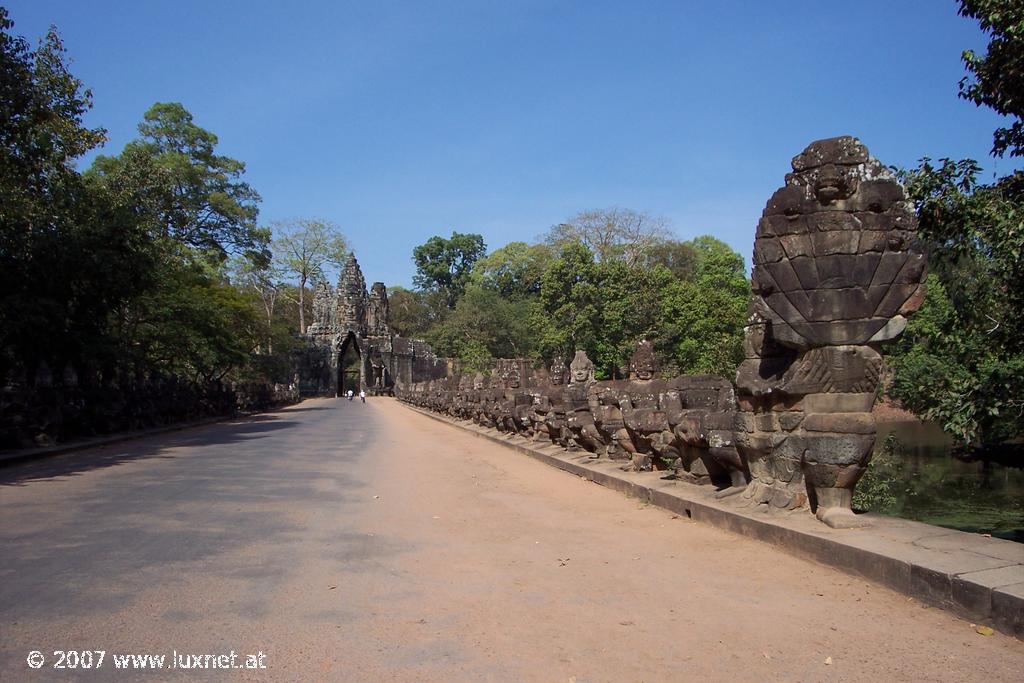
x=350, y=394
x=362, y=396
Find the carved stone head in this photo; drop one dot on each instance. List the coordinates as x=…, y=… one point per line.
x=644, y=363
x=479, y=381
x=558, y=372
x=834, y=260
x=511, y=377
x=581, y=369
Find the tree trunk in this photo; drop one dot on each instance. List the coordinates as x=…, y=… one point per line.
x=302, y=306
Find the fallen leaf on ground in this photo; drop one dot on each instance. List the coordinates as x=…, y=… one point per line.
x=828, y=661
x=985, y=630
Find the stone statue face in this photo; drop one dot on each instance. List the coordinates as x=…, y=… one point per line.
x=512, y=378
x=643, y=365
x=558, y=372
x=581, y=369
x=478, y=381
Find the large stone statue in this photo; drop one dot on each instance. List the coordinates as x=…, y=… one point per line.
x=579, y=430
x=836, y=269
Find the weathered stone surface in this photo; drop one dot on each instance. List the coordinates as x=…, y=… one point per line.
x=848, y=273
x=850, y=423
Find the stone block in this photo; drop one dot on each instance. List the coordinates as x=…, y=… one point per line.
x=806, y=270
x=877, y=196
x=841, y=332
x=915, y=300
x=787, y=201
x=836, y=271
x=839, y=150
x=836, y=241
x=1008, y=609
x=845, y=423
x=790, y=420
x=767, y=250
x=797, y=245
x=864, y=270
x=972, y=591
x=890, y=330
x=832, y=221
x=831, y=449
x=913, y=270
x=876, y=222
x=894, y=299
x=838, y=304
x=784, y=276
x=873, y=241
x=838, y=403
x=719, y=420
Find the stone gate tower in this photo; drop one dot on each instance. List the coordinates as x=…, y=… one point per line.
x=348, y=318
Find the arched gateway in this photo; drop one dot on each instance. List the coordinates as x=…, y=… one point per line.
x=350, y=344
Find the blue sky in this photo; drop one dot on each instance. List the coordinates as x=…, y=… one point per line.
x=402, y=120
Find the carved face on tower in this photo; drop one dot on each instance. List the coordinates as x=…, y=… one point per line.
x=558, y=372
x=581, y=370
x=644, y=364
x=834, y=259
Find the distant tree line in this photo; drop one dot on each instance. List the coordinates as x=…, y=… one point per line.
x=601, y=281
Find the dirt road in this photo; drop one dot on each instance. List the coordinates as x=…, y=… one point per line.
x=367, y=542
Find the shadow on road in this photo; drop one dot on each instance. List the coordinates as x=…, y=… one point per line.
x=77, y=462
x=236, y=506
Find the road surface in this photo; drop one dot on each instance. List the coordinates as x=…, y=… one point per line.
x=350, y=541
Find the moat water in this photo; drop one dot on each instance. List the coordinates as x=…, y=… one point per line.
x=919, y=478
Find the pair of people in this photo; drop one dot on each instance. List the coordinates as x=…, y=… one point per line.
x=362, y=395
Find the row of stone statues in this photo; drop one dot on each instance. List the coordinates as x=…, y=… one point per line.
x=836, y=270
x=682, y=425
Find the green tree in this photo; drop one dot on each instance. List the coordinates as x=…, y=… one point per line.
x=484, y=325
x=605, y=307
x=192, y=323
x=678, y=256
x=68, y=254
x=515, y=270
x=568, y=316
x=444, y=265
x=263, y=282
x=408, y=313
x=703, y=317
x=192, y=194
x=302, y=249
x=969, y=336
x=996, y=78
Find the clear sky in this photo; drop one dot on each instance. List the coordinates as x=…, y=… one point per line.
x=402, y=120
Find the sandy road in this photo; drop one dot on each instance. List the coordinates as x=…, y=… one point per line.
x=368, y=542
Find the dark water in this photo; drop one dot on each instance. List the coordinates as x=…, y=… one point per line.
x=916, y=477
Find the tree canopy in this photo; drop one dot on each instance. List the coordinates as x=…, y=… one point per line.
x=996, y=78
x=443, y=265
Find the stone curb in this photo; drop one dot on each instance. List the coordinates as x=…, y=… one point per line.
x=973, y=576
x=24, y=455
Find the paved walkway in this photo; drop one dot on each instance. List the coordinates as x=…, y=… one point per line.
x=368, y=542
